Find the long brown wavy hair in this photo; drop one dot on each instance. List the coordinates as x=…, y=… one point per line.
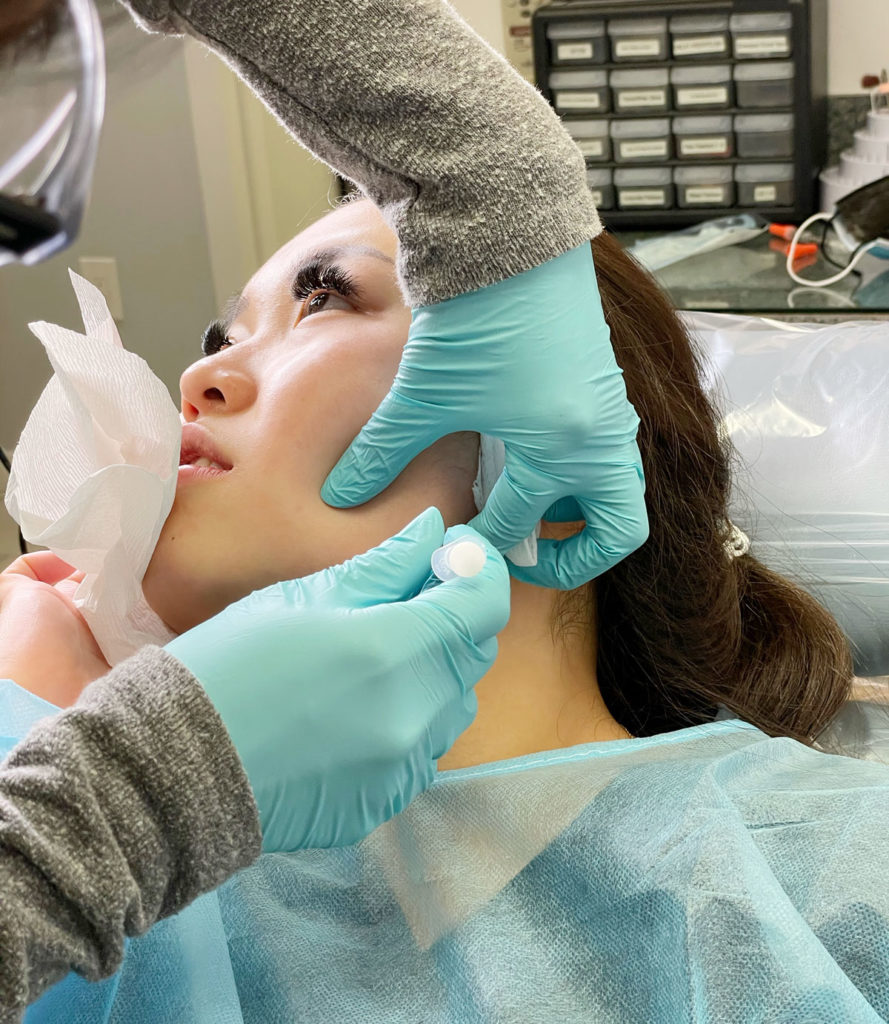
x=681, y=626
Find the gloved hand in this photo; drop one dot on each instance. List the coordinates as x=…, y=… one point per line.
x=528, y=360
x=341, y=690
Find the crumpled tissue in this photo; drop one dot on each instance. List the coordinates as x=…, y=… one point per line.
x=94, y=474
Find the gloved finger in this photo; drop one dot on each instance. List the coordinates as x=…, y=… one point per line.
x=397, y=432
x=565, y=510
x=515, y=505
x=470, y=609
x=394, y=570
x=569, y=563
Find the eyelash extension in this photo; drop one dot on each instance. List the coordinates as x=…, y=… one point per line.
x=320, y=275
x=213, y=338
x=317, y=276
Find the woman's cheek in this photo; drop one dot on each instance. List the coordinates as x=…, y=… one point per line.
x=352, y=395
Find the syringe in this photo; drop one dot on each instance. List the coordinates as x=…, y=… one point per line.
x=461, y=557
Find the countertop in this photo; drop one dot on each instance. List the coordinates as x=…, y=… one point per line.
x=751, y=278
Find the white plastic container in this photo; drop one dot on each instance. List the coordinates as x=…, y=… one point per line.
x=699, y=36
x=641, y=140
x=601, y=184
x=764, y=136
x=702, y=86
x=859, y=171
x=765, y=184
x=635, y=39
x=643, y=188
x=867, y=161
x=704, y=186
x=592, y=135
x=704, y=138
x=762, y=36
x=640, y=89
x=580, y=91
x=764, y=84
x=573, y=42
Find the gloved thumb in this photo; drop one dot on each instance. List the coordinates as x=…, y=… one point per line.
x=394, y=570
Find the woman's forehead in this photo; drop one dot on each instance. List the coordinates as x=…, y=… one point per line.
x=350, y=226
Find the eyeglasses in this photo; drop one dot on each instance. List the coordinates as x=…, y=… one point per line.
x=56, y=102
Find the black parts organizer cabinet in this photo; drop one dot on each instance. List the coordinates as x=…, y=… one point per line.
x=688, y=111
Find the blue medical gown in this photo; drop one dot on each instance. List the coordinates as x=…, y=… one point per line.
x=706, y=875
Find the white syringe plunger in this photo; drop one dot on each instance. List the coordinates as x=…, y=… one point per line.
x=462, y=557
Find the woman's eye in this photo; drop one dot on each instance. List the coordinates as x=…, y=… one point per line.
x=317, y=302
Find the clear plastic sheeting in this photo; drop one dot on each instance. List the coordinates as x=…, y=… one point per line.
x=807, y=409
x=861, y=729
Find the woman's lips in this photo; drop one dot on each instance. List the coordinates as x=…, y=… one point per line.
x=193, y=472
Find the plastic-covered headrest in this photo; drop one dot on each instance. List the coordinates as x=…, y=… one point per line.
x=807, y=407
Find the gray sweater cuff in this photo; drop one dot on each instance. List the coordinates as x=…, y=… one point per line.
x=113, y=814
x=468, y=163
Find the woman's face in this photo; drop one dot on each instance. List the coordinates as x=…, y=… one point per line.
x=306, y=356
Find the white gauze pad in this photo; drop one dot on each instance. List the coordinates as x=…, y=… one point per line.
x=491, y=460
x=94, y=474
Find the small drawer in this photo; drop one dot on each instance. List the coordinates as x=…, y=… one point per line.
x=577, y=42
x=635, y=39
x=765, y=184
x=592, y=137
x=704, y=186
x=764, y=136
x=578, y=90
x=761, y=36
x=601, y=184
x=641, y=141
x=704, y=138
x=643, y=188
x=702, y=86
x=764, y=84
x=699, y=36
x=645, y=89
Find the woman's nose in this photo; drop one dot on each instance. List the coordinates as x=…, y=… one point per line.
x=209, y=385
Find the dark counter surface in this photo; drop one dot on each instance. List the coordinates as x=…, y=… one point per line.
x=751, y=278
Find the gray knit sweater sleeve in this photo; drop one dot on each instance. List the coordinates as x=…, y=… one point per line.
x=114, y=814
x=469, y=165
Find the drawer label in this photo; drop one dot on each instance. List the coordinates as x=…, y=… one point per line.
x=706, y=145
x=765, y=193
x=642, y=98
x=591, y=147
x=761, y=46
x=645, y=147
x=577, y=100
x=643, y=197
x=638, y=47
x=691, y=46
x=702, y=96
x=574, y=51
x=705, y=194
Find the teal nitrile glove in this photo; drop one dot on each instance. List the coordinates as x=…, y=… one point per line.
x=341, y=690
x=528, y=360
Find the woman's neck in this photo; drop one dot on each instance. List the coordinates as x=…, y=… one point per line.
x=541, y=693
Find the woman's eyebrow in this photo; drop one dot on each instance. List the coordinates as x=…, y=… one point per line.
x=234, y=307
x=333, y=252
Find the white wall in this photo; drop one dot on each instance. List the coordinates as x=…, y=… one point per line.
x=859, y=42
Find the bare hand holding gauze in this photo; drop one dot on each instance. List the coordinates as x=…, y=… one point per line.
x=94, y=474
